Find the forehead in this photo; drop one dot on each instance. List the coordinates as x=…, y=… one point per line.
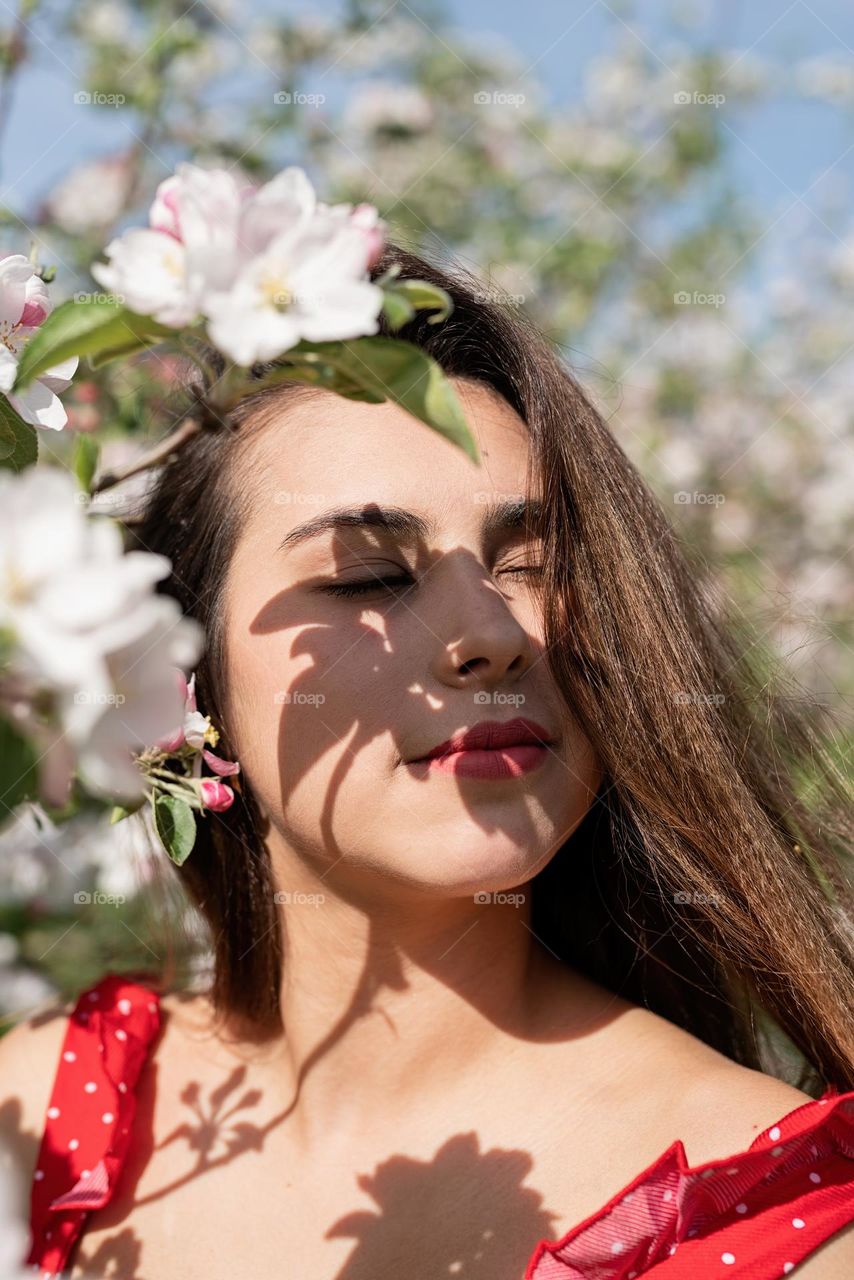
x=323, y=450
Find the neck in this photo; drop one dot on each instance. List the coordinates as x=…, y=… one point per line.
x=388, y=1003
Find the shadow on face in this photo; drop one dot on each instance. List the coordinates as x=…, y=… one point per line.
x=383, y=597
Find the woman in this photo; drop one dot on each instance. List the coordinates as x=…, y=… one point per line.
x=487, y=1005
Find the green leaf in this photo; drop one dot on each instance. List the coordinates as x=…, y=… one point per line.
x=79, y=328
x=19, y=774
x=176, y=826
x=130, y=348
x=397, y=309
x=377, y=368
x=86, y=453
x=120, y=811
x=19, y=441
x=422, y=296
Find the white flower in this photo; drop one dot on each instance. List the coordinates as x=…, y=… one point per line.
x=92, y=196
x=24, y=304
x=265, y=266
x=307, y=284
x=382, y=105
x=149, y=272
x=88, y=628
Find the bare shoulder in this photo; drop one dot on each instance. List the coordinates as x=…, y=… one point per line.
x=194, y=1035
x=833, y=1260
x=29, y=1056
x=719, y=1105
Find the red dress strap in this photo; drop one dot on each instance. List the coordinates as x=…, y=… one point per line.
x=753, y=1215
x=90, y=1113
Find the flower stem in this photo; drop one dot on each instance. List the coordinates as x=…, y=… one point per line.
x=187, y=428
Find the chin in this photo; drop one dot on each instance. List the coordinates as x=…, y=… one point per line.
x=477, y=864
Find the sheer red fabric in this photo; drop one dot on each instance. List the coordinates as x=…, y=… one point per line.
x=753, y=1215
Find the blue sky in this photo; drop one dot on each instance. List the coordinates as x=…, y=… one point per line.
x=776, y=152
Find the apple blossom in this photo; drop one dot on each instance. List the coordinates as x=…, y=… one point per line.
x=24, y=305
x=264, y=267
x=88, y=632
x=216, y=795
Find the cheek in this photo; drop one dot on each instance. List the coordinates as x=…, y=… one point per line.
x=314, y=705
x=584, y=770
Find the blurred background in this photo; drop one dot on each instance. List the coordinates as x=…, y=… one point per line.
x=665, y=190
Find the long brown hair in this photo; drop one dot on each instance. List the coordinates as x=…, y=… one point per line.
x=708, y=881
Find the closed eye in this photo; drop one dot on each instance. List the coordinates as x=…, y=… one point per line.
x=364, y=585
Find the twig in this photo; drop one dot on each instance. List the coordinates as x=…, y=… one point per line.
x=187, y=428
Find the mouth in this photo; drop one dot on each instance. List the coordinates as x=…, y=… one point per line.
x=492, y=749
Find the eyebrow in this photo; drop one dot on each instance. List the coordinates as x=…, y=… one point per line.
x=499, y=517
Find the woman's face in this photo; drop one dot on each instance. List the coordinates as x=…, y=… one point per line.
x=333, y=693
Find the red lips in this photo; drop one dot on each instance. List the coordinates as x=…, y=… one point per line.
x=492, y=735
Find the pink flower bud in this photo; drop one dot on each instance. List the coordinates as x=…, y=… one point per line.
x=36, y=303
x=216, y=795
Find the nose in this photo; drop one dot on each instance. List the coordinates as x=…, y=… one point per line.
x=488, y=646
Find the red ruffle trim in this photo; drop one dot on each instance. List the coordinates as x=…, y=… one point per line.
x=671, y=1203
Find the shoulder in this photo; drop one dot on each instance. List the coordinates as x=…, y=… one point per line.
x=716, y=1106
x=729, y=1103
x=29, y=1056
x=833, y=1260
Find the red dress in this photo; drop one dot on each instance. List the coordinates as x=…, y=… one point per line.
x=752, y=1215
